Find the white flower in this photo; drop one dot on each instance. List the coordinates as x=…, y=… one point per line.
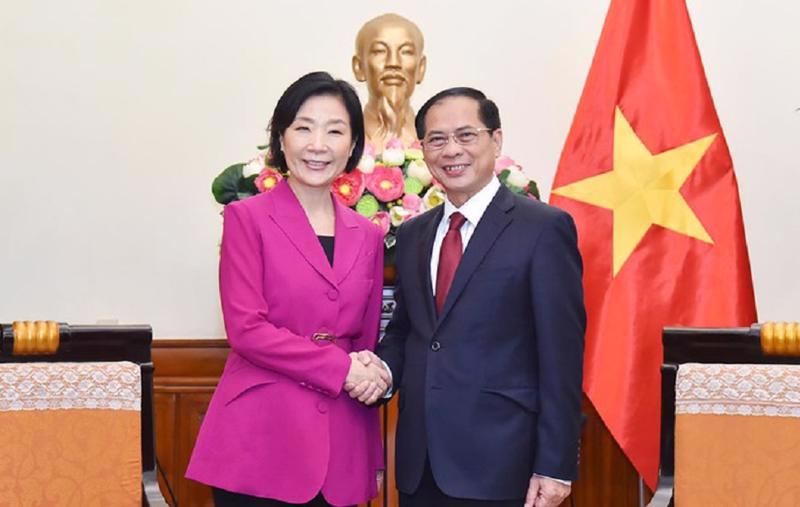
x=398, y=215
x=516, y=177
x=393, y=157
x=417, y=169
x=255, y=166
x=367, y=164
x=432, y=198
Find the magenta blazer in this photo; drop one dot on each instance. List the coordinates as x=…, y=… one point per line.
x=279, y=424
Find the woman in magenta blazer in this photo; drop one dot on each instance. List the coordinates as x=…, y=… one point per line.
x=300, y=284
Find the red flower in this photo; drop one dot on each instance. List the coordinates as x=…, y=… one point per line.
x=386, y=183
x=348, y=187
x=267, y=179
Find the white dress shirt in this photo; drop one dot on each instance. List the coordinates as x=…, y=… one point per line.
x=472, y=210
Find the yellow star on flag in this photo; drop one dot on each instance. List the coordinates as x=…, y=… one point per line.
x=642, y=189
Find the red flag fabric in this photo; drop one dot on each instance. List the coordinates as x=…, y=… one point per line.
x=647, y=175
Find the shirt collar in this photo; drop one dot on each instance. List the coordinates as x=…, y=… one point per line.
x=476, y=205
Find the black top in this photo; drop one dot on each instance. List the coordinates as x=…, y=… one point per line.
x=327, y=245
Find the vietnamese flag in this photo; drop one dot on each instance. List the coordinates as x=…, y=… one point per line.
x=648, y=178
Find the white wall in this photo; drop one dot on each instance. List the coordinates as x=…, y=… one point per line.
x=116, y=116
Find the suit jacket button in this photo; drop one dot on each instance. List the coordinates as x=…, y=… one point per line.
x=435, y=345
x=333, y=294
x=322, y=406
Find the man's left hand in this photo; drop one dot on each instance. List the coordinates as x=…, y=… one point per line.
x=546, y=492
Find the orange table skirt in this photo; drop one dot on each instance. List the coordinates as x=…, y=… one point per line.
x=70, y=458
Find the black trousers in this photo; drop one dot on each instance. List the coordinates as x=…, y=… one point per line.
x=428, y=494
x=223, y=498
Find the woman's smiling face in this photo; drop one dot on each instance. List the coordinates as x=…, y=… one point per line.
x=318, y=143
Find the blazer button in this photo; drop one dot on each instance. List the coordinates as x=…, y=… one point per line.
x=435, y=345
x=322, y=406
x=333, y=294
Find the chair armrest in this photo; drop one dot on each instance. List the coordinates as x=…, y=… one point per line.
x=152, y=494
x=663, y=495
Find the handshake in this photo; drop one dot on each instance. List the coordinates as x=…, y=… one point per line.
x=367, y=379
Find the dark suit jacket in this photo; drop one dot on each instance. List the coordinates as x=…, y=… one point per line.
x=491, y=388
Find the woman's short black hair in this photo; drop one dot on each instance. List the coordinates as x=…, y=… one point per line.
x=313, y=85
x=487, y=109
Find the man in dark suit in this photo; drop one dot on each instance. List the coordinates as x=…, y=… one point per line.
x=485, y=345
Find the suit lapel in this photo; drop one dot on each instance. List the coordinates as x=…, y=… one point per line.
x=424, y=252
x=290, y=217
x=494, y=220
x=348, y=243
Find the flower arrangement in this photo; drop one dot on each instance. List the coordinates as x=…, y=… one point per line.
x=389, y=188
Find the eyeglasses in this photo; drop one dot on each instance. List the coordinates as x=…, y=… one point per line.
x=464, y=137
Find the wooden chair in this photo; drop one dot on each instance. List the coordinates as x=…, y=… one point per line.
x=43, y=358
x=733, y=424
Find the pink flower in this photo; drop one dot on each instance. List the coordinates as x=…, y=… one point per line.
x=412, y=202
x=394, y=144
x=382, y=220
x=386, y=183
x=267, y=179
x=502, y=163
x=394, y=154
x=348, y=187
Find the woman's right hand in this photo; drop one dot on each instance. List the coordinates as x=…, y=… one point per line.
x=367, y=382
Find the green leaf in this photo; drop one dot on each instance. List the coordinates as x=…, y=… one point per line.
x=413, y=186
x=530, y=188
x=503, y=176
x=367, y=206
x=248, y=185
x=533, y=189
x=226, y=186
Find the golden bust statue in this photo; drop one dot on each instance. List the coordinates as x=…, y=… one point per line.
x=389, y=57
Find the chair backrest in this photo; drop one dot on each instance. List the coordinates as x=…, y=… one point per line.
x=105, y=353
x=730, y=412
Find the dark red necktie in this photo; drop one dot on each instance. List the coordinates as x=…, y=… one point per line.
x=449, y=257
